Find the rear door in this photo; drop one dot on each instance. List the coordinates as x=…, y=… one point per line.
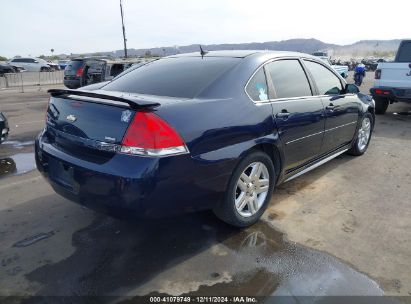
x=298, y=114
x=341, y=110
x=32, y=65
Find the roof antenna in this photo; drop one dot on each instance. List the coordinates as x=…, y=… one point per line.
x=202, y=52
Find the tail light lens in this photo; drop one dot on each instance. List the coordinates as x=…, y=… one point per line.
x=377, y=74
x=80, y=72
x=149, y=135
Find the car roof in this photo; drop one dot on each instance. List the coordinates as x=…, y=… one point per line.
x=245, y=53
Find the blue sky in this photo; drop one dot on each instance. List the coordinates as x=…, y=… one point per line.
x=33, y=27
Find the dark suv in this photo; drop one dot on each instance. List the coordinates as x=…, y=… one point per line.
x=83, y=71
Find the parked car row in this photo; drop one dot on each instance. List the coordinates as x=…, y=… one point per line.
x=33, y=64
x=341, y=69
x=81, y=72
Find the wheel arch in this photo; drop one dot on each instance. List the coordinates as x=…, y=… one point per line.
x=274, y=153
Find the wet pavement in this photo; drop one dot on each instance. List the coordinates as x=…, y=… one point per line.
x=190, y=255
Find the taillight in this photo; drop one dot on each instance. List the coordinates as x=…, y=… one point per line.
x=80, y=72
x=377, y=74
x=149, y=135
x=382, y=92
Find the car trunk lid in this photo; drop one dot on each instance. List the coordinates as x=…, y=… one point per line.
x=88, y=122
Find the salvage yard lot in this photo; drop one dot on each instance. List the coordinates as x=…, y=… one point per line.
x=344, y=228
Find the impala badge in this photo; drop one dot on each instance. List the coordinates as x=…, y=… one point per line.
x=71, y=118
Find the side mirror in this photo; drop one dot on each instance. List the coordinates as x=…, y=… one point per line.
x=35, y=61
x=351, y=89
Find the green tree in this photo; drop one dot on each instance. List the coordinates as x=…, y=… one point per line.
x=3, y=58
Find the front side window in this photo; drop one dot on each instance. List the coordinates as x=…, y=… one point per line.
x=257, y=87
x=289, y=79
x=327, y=82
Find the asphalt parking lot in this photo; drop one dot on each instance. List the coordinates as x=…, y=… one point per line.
x=342, y=229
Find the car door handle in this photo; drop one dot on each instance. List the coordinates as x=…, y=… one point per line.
x=332, y=107
x=284, y=114
x=336, y=97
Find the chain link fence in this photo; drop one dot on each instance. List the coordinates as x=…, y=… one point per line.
x=20, y=80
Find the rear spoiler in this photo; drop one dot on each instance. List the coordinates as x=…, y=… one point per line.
x=132, y=101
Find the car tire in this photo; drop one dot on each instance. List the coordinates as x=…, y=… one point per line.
x=363, y=137
x=381, y=105
x=245, y=200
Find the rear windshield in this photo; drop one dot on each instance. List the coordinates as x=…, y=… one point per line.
x=404, y=53
x=75, y=64
x=182, y=77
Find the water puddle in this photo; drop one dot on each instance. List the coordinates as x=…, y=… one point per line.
x=17, y=164
x=19, y=144
x=402, y=113
x=194, y=255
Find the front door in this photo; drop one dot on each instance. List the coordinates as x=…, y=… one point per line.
x=299, y=116
x=341, y=110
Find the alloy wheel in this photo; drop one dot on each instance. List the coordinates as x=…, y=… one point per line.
x=364, y=134
x=252, y=188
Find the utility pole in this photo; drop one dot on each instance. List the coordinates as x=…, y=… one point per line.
x=124, y=30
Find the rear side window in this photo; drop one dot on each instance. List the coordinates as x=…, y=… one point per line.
x=404, y=52
x=289, y=78
x=327, y=82
x=182, y=77
x=20, y=60
x=257, y=86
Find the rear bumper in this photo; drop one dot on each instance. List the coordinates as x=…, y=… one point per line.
x=72, y=83
x=393, y=94
x=137, y=186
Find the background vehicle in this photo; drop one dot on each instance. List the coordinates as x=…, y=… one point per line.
x=341, y=69
x=193, y=132
x=86, y=71
x=393, y=79
x=5, y=68
x=4, y=128
x=83, y=71
x=63, y=63
x=359, y=74
x=53, y=66
x=31, y=64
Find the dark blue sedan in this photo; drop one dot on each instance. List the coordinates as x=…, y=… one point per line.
x=201, y=131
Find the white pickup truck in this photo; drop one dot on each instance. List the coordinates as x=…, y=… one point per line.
x=393, y=79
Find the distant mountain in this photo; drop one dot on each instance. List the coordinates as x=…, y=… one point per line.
x=299, y=45
x=363, y=48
